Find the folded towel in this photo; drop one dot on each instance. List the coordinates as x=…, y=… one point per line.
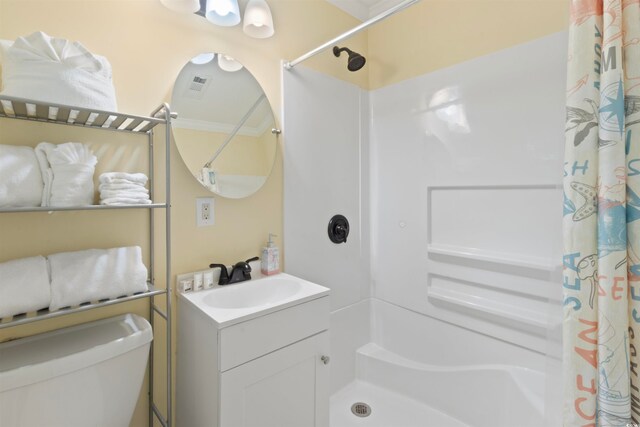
x=119, y=181
x=67, y=172
x=131, y=194
x=58, y=71
x=123, y=187
x=125, y=201
x=20, y=179
x=24, y=286
x=95, y=274
x=117, y=177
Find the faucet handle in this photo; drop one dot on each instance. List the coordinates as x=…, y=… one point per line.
x=244, y=266
x=255, y=258
x=224, y=274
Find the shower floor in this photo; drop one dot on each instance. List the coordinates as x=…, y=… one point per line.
x=388, y=409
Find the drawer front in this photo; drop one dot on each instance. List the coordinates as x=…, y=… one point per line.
x=251, y=339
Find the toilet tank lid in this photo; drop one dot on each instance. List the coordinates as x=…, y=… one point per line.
x=41, y=357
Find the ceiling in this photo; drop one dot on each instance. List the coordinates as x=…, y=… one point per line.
x=364, y=9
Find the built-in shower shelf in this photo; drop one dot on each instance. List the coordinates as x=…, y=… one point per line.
x=83, y=208
x=46, y=314
x=521, y=261
x=18, y=108
x=492, y=308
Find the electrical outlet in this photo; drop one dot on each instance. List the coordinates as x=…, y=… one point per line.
x=204, y=211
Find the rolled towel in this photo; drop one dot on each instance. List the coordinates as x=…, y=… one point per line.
x=24, y=286
x=21, y=182
x=67, y=171
x=125, y=201
x=95, y=274
x=110, y=177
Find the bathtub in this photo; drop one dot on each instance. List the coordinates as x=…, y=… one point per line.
x=476, y=395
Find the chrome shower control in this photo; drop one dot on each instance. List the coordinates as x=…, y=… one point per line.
x=325, y=359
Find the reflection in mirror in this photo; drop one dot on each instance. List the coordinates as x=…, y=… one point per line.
x=225, y=130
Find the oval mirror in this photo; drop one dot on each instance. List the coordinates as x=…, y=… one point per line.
x=225, y=130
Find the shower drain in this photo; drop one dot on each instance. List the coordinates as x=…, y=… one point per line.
x=361, y=409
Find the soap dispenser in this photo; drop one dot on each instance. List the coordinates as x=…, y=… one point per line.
x=270, y=263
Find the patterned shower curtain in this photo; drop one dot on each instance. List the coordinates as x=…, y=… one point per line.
x=601, y=216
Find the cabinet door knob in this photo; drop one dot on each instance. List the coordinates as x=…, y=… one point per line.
x=325, y=359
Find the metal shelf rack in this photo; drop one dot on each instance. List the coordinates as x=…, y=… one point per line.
x=25, y=109
x=22, y=319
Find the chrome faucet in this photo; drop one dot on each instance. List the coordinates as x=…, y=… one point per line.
x=240, y=272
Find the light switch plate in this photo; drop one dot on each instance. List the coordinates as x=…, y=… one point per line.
x=204, y=211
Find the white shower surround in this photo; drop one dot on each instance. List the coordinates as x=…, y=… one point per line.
x=463, y=216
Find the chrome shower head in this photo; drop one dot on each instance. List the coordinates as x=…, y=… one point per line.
x=355, y=61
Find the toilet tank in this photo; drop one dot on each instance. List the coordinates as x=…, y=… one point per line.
x=83, y=376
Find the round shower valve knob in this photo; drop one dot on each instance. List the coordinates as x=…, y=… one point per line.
x=338, y=229
x=325, y=359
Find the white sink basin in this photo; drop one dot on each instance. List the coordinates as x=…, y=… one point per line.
x=253, y=293
x=242, y=301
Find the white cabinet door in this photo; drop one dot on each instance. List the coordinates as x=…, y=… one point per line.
x=286, y=388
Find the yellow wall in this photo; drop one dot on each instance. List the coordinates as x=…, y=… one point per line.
x=434, y=34
x=148, y=45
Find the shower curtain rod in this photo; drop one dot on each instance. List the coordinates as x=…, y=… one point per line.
x=236, y=129
x=406, y=3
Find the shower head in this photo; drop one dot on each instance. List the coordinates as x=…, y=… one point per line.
x=355, y=62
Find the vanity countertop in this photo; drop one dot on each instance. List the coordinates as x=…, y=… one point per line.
x=230, y=304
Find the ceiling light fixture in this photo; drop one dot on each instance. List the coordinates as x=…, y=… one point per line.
x=258, y=22
x=225, y=13
x=227, y=63
x=182, y=6
x=203, y=58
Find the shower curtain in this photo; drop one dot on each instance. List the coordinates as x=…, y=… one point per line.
x=601, y=216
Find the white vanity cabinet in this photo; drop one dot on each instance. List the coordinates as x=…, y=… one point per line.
x=264, y=367
x=286, y=388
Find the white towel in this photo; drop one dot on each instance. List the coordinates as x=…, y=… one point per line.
x=118, y=181
x=45, y=170
x=95, y=274
x=67, y=171
x=120, y=188
x=24, y=286
x=118, y=177
x=131, y=194
x=20, y=179
x=125, y=201
x=58, y=71
x=123, y=187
